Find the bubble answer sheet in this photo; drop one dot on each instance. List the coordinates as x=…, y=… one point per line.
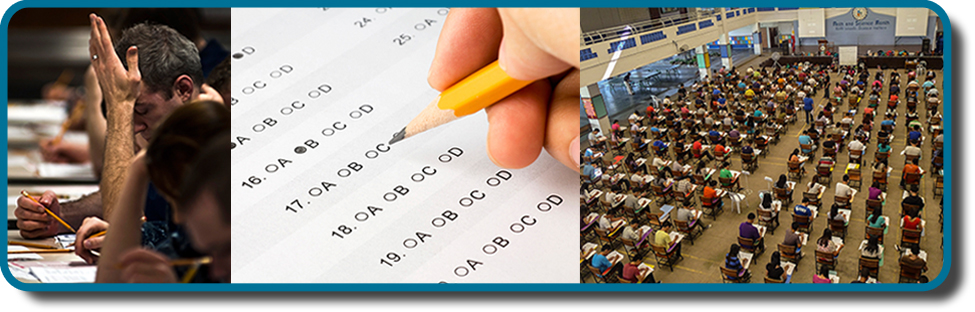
x=318, y=194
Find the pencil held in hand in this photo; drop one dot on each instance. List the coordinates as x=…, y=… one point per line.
x=65, y=224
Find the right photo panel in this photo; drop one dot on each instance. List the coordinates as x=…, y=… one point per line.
x=762, y=145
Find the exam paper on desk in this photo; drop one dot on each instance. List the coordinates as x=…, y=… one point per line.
x=428, y=209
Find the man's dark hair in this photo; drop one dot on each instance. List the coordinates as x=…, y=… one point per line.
x=219, y=77
x=164, y=55
x=751, y=216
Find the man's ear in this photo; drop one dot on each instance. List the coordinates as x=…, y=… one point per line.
x=183, y=88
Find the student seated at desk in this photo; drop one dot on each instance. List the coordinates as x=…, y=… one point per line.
x=774, y=268
x=770, y=206
x=875, y=193
x=911, y=167
x=679, y=148
x=687, y=214
x=732, y=262
x=876, y=219
x=836, y=215
x=606, y=222
x=632, y=198
x=872, y=249
x=826, y=244
x=662, y=238
x=633, y=233
x=805, y=139
x=912, y=259
x=747, y=149
x=823, y=276
x=726, y=174
x=658, y=162
x=783, y=183
x=748, y=230
x=843, y=188
x=864, y=276
x=601, y=263
x=698, y=152
x=803, y=209
x=632, y=271
x=913, y=150
x=826, y=161
x=911, y=221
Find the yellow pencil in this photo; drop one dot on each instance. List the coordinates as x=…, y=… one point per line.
x=39, y=251
x=481, y=89
x=26, y=244
x=76, y=114
x=65, y=224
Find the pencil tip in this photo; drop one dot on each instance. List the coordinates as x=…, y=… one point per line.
x=398, y=136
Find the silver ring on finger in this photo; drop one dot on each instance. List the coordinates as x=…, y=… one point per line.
x=94, y=57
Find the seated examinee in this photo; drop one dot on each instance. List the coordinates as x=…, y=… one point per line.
x=662, y=238
x=876, y=219
x=836, y=215
x=872, y=249
x=864, y=276
x=632, y=232
x=874, y=192
x=687, y=214
x=770, y=206
x=164, y=89
x=174, y=147
x=732, y=262
x=204, y=211
x=774, y=268
x=823, y=276
x=911, y=167
x=843, y=188
x=711, y=194
x=826, y=244
x=911, y=221
x=792, y=237
x=606, y=222
x=748, y=230
x=911, y=258
x=602, y=263
x=632, y=271
x=805, y=139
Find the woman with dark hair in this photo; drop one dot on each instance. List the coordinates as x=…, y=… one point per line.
x=826, y=244
x=770, y=206
x=911, y=221
x=872, y=250
x=732, y=262
x=775, y=270
x=835, y=214
x=782, y=182
x=876, y=219
x=823, y=276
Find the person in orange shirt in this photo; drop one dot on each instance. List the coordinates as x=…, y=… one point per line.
x=710, y=193
x=910, y=168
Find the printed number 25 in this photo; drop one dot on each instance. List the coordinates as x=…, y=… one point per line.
x=403, y=38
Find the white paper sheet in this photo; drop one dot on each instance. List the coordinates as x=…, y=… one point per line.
x=469, y=221
x=28, y=256
x=74, y=274
x=53, y=170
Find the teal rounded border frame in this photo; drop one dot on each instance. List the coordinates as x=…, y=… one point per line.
x=502, y=287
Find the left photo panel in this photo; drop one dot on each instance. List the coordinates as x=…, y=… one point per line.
x=118, y=154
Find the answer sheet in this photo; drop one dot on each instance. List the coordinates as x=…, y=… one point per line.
x=320, y=196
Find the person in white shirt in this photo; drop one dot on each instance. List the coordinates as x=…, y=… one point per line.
x=856, y=145
x=912, y=151
x=843, y=188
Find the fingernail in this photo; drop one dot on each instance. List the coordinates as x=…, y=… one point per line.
x=88, y=244
x=502, y=57
x=574, y=150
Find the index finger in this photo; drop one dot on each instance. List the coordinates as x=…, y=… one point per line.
x=469, y=40
x=29, y=204
x=93, y=42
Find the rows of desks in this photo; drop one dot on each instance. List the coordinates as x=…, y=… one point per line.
x=28, y=123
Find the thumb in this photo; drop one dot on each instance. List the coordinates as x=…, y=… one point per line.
x=132, y=59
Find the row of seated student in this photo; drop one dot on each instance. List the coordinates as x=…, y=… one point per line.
x=588, y=170
x=158, y=141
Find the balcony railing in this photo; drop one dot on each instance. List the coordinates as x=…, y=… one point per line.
x=612, y=33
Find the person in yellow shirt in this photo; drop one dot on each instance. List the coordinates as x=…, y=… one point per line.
x=662, y=238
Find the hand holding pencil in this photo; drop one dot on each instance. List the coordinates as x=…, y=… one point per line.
x=33, y=218
x=537, y=45
x=90, y=236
